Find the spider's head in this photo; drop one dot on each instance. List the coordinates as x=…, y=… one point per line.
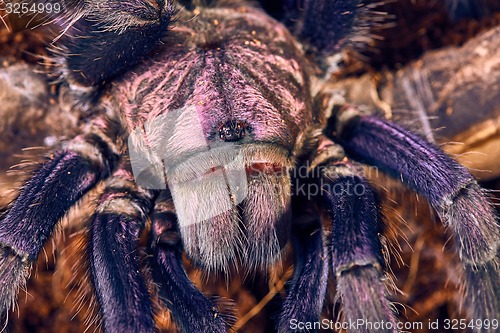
x=217, y=100
x=220, y=107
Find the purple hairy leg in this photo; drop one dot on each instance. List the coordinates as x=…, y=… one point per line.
x=112, y=36
x=305, y=297
x=124, y=301
x=450, y=189
x=192, y=311
x=355, y=248
x=325, y=24
x=45, y=198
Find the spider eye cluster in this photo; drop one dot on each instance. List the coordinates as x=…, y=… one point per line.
x=232, y=131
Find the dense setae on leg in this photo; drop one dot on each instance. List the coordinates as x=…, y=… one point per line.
x=306, y=293
x=450, y=189
x=45, y=198
x=120, y=288
x=352, y=248
x=355, y=248
x=324, y=25
x=109, y=37
x=335, y=18
x=192, y=311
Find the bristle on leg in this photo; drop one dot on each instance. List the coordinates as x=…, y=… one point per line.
x=121, y=291
x=451, y=190
x=192, y=311
x=14, y=272
x=355, y=248
x=306, y=292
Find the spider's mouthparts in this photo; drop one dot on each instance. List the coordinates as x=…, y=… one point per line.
x=267, y=168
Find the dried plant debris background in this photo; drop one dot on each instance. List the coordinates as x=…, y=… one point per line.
x=424, y=266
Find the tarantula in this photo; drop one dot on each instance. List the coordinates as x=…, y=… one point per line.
x=210, y=127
